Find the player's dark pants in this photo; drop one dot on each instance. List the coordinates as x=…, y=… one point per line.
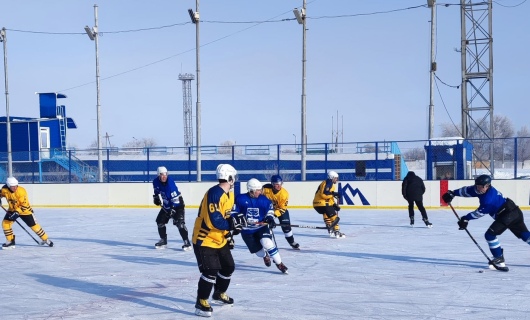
x=179, y=221
x=329, y=215
x=510, y=217
x=419, y=204
x=216, y=267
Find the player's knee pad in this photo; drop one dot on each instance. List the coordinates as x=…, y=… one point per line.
x=182, y=226
x=209, y=275
x=266, y=243
x=161, y=225
x=261, y=253
x=226, y=272
x=331, y=214
x=490, y=235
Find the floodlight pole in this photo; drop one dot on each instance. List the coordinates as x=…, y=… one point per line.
x=3, y=39
x=301, y=18
x=195, y=18
x=432, y=4
x=93, y=34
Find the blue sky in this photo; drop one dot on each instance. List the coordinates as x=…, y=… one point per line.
x=372, y=70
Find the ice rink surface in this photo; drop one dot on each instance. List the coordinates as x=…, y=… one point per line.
x=104, y=266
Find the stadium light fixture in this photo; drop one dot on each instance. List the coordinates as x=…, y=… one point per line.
x=90, y=33
x=300, y=15
x=194, y=16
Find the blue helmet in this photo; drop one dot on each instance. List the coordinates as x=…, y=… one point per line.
x=276, y=179
x=483, y=180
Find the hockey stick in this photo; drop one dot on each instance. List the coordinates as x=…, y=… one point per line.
x=296, y=226
x=23, y=228
x=505, y=269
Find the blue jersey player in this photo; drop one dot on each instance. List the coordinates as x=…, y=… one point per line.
x=168, y=196
x=259, y=213
x=504, y=211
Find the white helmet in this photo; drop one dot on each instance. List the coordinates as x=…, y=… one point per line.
x=332, y=175
x=226, y=172
x=253, y=185
x=11, y=182
x=161, y=170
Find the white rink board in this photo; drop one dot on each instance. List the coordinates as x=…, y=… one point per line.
x=379, y=194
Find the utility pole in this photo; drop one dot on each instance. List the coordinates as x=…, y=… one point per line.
x=3, y=39
x=195, y=18
x=432, y=4
x=93, y=34
x=301, y=18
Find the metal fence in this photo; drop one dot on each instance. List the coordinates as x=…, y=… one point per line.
x=376, y=160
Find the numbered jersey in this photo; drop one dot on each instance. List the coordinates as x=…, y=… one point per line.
x=254, y=209
x=169, y=191
x=211, y=225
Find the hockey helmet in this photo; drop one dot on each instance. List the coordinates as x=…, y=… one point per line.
x=276, y=179
x=161, y=170
x=332, y=175
x=226, y=172
x=11, y=182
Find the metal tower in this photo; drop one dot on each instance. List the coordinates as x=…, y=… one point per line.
x=187, y=107
x=477, y=76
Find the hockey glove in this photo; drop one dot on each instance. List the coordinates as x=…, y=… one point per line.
x=237, y=221
x=156, y=200
x=181, y=200
x=448, y=196
x=12, y=215
x=336, y=207
x=270, y=221
x=462, y=223
x=230, y=240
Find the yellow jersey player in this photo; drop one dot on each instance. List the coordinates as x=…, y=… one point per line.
x=19, y=207
x=325, y=204
x=211, y=248
x=280, y=198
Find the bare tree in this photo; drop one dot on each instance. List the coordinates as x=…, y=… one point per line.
x=140, y=143
x=523, y=145
x=414, y=154
x=502, y=129
x=226, y=147
x=450, y=130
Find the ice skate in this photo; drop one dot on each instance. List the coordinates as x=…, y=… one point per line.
x=187, y=245
x=267, y=260
x=499, y=261
x=282, y=268
x=222, y=298
x=412, y=222
x=295, y=245
x=337, y=234
x=161, y=244
x=9, y=245
x=427, y=223
x=48, y=243
x=203, y=308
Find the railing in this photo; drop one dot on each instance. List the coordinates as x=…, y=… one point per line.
x=353, y=161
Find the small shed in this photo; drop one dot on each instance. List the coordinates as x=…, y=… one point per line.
x=448, y=158
x=34, y=139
